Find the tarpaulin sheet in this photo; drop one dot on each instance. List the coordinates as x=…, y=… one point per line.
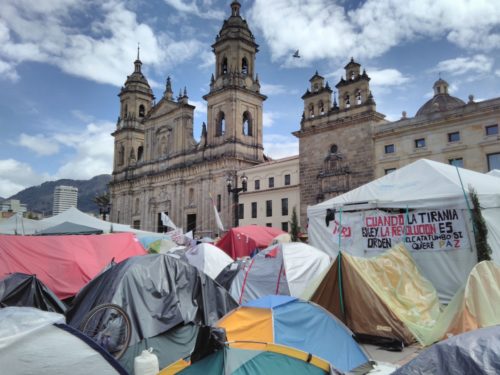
x=243, y=241
x=158, y=293
x=474, y=352
x=65, y=263
x=24, y=290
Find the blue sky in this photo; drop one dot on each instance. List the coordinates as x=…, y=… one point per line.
x=62, y=63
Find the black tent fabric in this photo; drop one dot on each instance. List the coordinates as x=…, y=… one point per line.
x=69, y=228
x=158, y=292
x=228, y=273
x=19, y=289
x=474, y=352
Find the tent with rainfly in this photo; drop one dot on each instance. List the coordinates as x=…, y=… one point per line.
x=298, y=324
x=208, y=258
x=165, y=298
x=426, y=205
x=253, y=359
x=285, y=269
x=243, y=241
x=33, y=341
x=380, y=298
x=19, y=289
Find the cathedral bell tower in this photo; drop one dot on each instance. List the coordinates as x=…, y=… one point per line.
x=136, y=100
x=234, y=102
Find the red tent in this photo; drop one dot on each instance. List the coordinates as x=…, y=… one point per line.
x=242, y=241
x=65, y=263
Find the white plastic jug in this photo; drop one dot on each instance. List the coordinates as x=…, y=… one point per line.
x=146, y=363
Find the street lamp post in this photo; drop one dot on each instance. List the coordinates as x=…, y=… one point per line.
x=104, y=210
x=236, y=191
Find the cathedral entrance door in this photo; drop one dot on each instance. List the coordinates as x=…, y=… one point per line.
x=191, y=223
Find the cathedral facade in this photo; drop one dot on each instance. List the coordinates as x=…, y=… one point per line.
x=158, y=165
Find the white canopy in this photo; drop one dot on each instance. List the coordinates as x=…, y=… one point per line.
x=494, y=172
x=422, y=185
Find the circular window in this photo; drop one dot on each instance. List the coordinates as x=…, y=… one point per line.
x=333, y=149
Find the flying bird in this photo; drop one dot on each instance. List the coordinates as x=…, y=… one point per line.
x=296, y=54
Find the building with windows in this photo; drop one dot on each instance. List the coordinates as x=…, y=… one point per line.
x=444, y=129
x=272, y=193
x=346, y=144
x=64, y=198
x=158, y=165
x=10, y=207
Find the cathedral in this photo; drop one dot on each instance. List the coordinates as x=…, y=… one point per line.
x=158, y=164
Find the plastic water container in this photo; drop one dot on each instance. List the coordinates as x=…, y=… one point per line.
x=146, y=363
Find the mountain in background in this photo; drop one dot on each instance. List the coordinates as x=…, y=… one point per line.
x=40, y=198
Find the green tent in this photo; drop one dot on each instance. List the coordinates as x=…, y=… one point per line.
x=253, y=358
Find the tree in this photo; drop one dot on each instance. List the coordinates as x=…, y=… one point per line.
x=480, y=229
x=294, y=226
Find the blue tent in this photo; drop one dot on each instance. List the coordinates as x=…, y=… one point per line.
x=298, y=324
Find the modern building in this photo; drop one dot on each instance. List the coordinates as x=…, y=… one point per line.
x=64, y=198
x=272, y=193
x=158, y=165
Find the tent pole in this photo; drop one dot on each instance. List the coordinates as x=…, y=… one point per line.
x=340, y=265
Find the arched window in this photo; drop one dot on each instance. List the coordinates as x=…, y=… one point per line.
x=142, y=110
x=121, y=155
x=334, y=149
x=244, y=66
x=140, y=152
x=224, y=66
x=125, y=111
x=311, y=110
x=221, y=124
x=347, y=101
x=321, y=107
x=358, y=97
x=247, y=124
x=352, y=75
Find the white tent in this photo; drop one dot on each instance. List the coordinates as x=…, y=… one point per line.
x=34, y=341
x=423, y=205
x=284, y=269
x=17, y=224
x=208, y=259
x=494, y=172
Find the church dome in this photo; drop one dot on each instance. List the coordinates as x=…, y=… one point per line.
x=442, y=101
x=137, y=81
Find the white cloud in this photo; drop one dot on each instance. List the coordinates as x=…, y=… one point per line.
x=92, y=151
x=322, y=29
x=271, y=89
x=387, y=77
x=279, y=146
x=201, y=107
x=97, y=51
x=8, y=70
x=497, y=73
x=193, y=8
x=268, y=118
x=478, y=64
x=16, y=176
x=39, y=143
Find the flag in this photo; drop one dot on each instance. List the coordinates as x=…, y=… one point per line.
x=217, y=217
x=166, y=221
